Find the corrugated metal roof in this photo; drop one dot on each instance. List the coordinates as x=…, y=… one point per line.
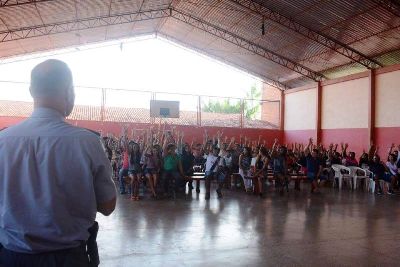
x=369, y=26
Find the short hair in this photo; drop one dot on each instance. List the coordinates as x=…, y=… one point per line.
x=49, y=78
x=170, y=146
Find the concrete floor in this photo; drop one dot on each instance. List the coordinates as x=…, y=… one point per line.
x=331, y=229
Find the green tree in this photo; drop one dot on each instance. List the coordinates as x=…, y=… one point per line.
x=251, y=106
x=224, y=106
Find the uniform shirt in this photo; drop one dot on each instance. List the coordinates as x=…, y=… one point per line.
x=211, y=159
x=313, y=164
x=279, y=165
x=52, y=175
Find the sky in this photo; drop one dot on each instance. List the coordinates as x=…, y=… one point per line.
x=144, y=64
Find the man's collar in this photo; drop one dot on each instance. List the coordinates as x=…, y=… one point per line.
x=47, y=113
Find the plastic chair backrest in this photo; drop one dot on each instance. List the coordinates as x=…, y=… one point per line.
x=355, y=169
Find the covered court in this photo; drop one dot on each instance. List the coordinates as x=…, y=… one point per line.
x=330, y=72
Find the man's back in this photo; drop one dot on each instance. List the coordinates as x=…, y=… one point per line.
x=52, y=175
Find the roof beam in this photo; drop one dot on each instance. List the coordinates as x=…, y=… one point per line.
x=316, y=36
x=80, y=24
x=160, y=24
x=12, y=3
x=245, y=44
x=266, y=79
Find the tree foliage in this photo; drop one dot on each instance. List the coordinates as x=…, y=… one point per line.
x=251, y=106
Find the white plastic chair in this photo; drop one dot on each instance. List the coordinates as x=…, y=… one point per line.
x=341, y=176
x=354, y=173
x=338, y=174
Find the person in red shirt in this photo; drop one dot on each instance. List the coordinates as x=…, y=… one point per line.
x=351, y=160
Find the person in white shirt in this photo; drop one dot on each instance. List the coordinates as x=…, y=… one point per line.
x=214, y=170
x=54, y=178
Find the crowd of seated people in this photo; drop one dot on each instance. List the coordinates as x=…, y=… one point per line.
x=160, y=161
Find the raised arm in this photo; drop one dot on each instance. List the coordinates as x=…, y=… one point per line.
x=371, y=152
x=391, y=149
x=230, y=146
x=344, y=151
x=164, y=147
x=398, y=154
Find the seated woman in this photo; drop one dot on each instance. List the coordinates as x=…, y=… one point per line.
x=188, y=160
x=172, y=170
x=244, y=168
x=151, y=168
x=364, y=161
x=280, y=169
x=336, y=158
x=393, y=170
x=261, y=174
x=351, y=160
x=379, y=173
x=135, y=170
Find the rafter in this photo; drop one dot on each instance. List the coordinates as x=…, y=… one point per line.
x=266, y=79
x=80, y=24
x=245, y=44
x=12, y=3
x=318, y=37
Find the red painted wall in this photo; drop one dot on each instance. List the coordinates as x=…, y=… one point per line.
x=191, y=132
x=357, y=138
x=298, y=136
x=8, y=121
x=386, y=136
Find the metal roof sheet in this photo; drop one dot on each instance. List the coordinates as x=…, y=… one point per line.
x=304, y=34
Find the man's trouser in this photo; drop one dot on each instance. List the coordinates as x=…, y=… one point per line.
x=86, y=255
x=73, y=257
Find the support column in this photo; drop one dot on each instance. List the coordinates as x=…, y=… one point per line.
x=199, y=111
x=371, y=107
x=103, y=105
x=318, y=114
x=241, y=113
